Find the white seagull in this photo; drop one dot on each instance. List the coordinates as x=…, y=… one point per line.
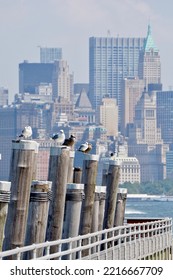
x=83, y=147
x=26, y=132
x=59, y=137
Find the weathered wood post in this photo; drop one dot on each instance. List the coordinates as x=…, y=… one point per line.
x=4, y=200
x=58, y=172
x=77, y=175
x=21, y=172
x=120, y=207
x=95, y=216
x=74, y=197
x=111, y=197
x=105, y=173
x=89, y=175
x=90, y=165
x=38, y=214
x=70, y=168
x=101, y=207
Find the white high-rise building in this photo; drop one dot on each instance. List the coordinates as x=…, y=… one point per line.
x=109, y=116
x=62, y=82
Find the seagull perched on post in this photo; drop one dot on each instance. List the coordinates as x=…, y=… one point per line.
x=85, y=148
x=70, y=141
x=26, y=132
x=59, y=137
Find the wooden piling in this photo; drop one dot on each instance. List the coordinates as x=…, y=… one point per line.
x=74, y=198
x=90, y=165
x=70, y=168
x=77, y=175
x=4, y=200
x=58, y=172
x=95, y=216
x=105, y=173
x=120, y=207
x=101, y=207
x=38, y=214
x=111, y=196
x=21, y=173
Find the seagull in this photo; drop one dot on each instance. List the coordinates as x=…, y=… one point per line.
x=88, y=149
x=26, y=132
x=59, y=137
x=70, y=141
x=85, y=148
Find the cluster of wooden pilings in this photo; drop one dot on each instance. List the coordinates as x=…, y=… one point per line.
x=66, y=205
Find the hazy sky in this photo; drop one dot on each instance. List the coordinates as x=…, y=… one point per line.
x=27, y=24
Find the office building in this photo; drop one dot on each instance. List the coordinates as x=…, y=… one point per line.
x=62, y=82
x=169, y=165
x=49, y=55
x=31, y=75
x=165, y=114
x=7, y=134
x=129, y=168
x=110, y=61
x=145, y=142
x=83, y=109
x=3, y=96
x=109, y=116
x=132, y=89
x=149, y=62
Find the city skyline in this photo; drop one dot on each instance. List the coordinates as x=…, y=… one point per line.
x=69, y=24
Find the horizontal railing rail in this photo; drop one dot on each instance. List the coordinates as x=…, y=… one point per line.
x=94, y=245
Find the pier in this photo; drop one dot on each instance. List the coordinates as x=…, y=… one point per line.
x=70, y=217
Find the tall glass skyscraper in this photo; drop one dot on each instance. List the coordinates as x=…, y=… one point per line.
x=49, y=55
x=111, y=60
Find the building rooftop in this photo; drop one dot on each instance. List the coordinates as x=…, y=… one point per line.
x=149, y=43
x=83, y=100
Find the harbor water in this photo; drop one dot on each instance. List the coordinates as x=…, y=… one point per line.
x=149, y=209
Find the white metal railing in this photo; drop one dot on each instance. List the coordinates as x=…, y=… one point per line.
x=131, y=241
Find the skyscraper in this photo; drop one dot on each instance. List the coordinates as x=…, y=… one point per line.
x=145, y=140
x=111, y=60
x=165, y=114
x=31, y=75
x=109, y=112
x=3, y=96
x=149, y=62
x=131, y=92
x=62, y=81
x=49, y=55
